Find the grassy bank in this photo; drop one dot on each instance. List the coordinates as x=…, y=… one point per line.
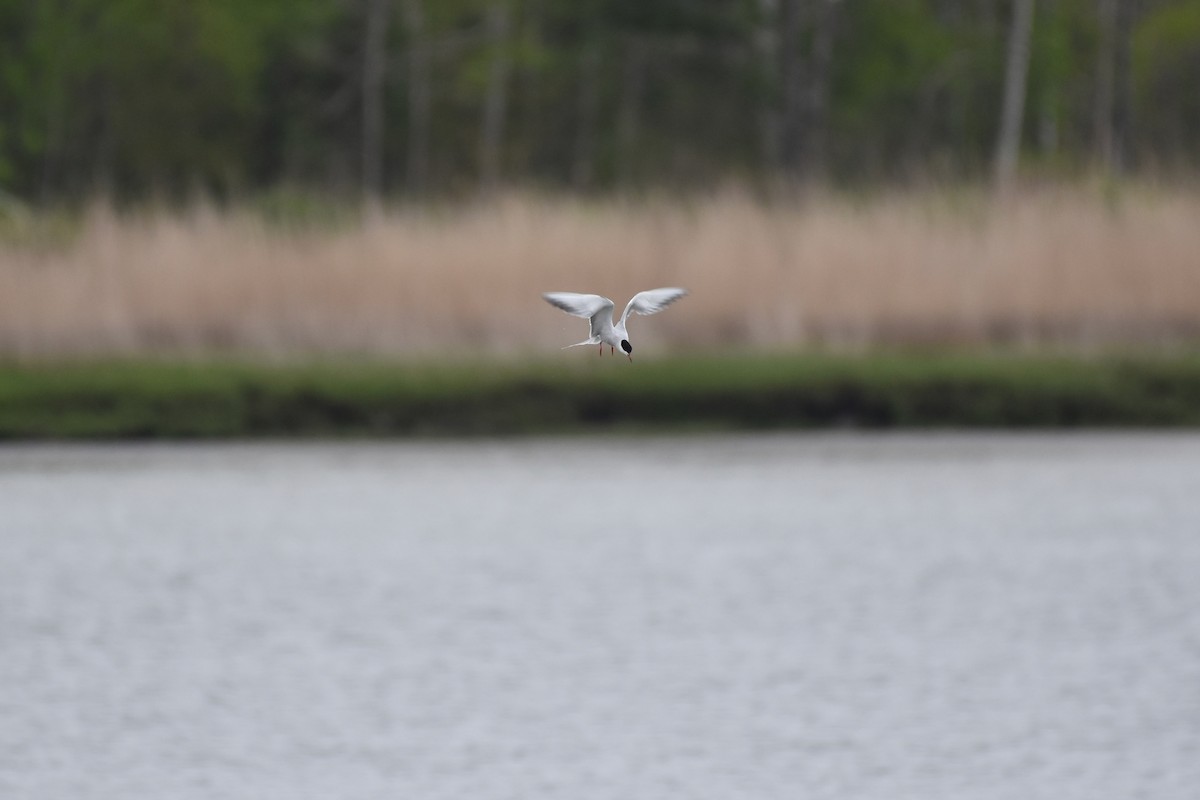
x=169, y=400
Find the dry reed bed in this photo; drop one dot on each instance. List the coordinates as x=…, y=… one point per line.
x=1050, y=264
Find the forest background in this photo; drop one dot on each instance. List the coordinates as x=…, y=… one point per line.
x=417, y=98
x=404, y=177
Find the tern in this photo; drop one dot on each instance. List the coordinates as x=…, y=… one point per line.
x=598, y=310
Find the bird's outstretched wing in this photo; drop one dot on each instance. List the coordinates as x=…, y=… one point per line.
x=652, y=301
x=590, y=306
x=579, y=305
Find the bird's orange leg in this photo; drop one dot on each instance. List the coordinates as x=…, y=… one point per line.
x=612, y=351
x=601, y=349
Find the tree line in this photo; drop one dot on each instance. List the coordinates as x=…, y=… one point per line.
x=166, y=98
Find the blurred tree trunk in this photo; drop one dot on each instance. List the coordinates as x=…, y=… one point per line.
x=804, y=85
x=791, y=82
x=1008, y=141
x=495, y=103
x=817, y=91
x=102, y=182
x=1048, y=102
x=374, y=61
x=1123, y=91
x=583, y=163
x=766, y=44
x=48, y=173
x=420, y=98
x=629, y=115
x=1105, y=69
x=1114, y=85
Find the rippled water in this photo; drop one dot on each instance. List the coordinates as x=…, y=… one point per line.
x=942, y=616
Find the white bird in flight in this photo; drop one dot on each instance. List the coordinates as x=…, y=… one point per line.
x=599, y=311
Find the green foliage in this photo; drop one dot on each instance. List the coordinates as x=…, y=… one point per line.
x=144, y=98
x=899, y=59
x=1166, y=55
x=150, y=400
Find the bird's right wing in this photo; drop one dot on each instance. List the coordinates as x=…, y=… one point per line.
x=590, y=306
x=652, y=301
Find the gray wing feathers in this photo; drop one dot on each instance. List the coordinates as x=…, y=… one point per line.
x=579, y=305
x=653, y=301
x=590, y=306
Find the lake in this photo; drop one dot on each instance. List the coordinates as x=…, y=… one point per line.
x=964, y=616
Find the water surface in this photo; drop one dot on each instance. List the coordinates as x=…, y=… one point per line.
x=851, y=616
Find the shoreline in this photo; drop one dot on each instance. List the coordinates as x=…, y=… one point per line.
x=226, y=399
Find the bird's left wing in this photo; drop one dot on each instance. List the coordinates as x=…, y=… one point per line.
x=590, y=306
x=579, y=305
x=652, y=301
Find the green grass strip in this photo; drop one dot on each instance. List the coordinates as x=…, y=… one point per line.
x=147, y=399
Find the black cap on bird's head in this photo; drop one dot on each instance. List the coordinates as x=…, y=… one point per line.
x=626, y=346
